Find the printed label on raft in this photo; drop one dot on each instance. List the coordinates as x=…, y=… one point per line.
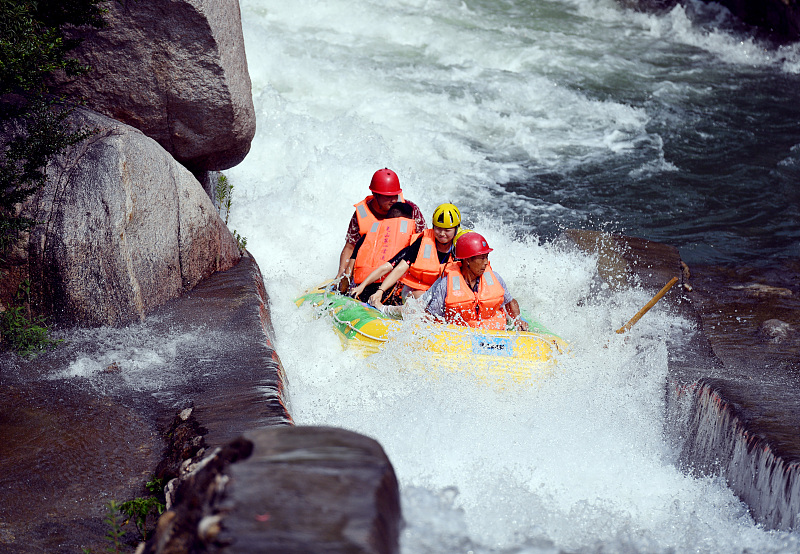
x=493, y=346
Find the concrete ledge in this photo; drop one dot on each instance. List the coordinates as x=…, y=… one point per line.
x=743, y=419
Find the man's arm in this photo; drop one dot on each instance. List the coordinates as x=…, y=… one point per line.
x=512, y=309
x=344, y=258
x=350, y=240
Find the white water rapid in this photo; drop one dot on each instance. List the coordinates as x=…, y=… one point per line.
x=458, y=96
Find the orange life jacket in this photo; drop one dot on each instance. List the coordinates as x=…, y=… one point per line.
x=365, y=216
x=426, y=268
x=383, y=240
x=482, y=309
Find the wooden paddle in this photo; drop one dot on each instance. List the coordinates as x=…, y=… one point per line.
x=647, y=306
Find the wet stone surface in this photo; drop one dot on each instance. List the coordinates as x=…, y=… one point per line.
x=740, y=310
x=83, y=424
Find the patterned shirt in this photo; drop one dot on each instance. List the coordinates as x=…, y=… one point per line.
x=354, y=234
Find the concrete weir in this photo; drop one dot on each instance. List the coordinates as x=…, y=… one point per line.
x=732, y=403
x=262, y=482
x=719, y=441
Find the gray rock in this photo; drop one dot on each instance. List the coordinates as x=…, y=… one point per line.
x=776, y=329
x=285, y=489
x=123, y=228
x=176, y=70
x=312, y=489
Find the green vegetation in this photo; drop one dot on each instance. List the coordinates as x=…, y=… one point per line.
x=33, y=126
x=240, y=240
x=223, y=189
x=224, y=192
x=33, y=121
x=114, y=522
x=139, y=509
x=24, y=333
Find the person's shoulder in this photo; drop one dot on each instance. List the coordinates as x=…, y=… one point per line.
x=437, y=291
x=441, y=282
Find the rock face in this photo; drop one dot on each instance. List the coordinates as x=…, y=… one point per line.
x=312, y=489
x=176, y=70
x=123, y=229
x=781, y=18
x=284, y=489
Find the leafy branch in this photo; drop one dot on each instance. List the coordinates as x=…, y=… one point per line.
x=224, y=193
x=26, y=334
x=33, y=122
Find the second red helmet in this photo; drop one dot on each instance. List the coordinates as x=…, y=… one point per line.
x=471, y=244
x=385, y=182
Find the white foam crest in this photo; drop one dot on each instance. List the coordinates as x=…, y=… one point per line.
x=422, y=99
x=137, y=355
x=694, y=23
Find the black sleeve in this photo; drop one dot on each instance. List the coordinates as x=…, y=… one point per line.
x=444, y=257
x=409, y=253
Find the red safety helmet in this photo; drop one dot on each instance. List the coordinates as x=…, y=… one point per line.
x=385, y=182
x=471, y=244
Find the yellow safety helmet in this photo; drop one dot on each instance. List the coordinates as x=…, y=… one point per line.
x=462, y=231
x=446, y=216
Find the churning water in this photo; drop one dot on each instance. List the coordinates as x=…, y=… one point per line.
x=532, y=116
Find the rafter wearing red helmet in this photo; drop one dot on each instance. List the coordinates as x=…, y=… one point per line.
x=470, y=293
x=385, y=189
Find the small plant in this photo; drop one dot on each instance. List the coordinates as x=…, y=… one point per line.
x=155, y=485
x=224, y=190
x=140, y=508
x=25, y=334
x=113, y=520
x=240, y=240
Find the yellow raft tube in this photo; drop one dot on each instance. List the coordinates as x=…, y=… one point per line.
x=493, y=356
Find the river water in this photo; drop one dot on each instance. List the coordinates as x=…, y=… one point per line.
x=533, y=117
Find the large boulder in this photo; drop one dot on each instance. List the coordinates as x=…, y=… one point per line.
x=284, y=489
x=122, y=228
x=177, y=71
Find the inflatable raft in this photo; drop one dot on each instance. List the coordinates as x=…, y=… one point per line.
x=490, y=355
